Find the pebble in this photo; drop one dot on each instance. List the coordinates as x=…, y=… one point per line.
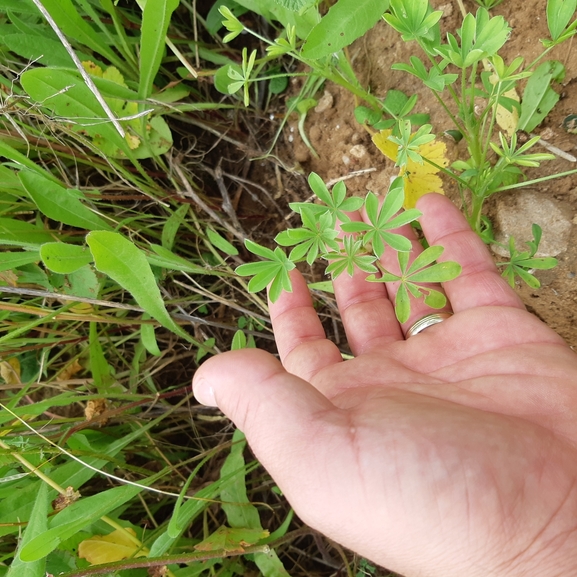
x=515, y=215
x=358, y=151
x=325, y=103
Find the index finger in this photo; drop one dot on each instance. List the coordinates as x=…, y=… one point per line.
x=480, y=283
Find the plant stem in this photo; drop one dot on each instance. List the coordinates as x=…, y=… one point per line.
x=108, y=568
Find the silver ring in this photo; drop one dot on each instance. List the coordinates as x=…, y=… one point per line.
x=426, y=322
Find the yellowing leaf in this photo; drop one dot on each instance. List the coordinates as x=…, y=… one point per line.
x=10, y=371
x=231, y=540
x=69, y=371
x=133, y=141
x=92, y=69
x=115, y=546
x=388, y=148
x=508, y=121
x=419, y=179
x=113, y=74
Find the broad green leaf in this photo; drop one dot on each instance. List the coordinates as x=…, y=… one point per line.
x=238, y=341
x=70, y=21
x=20, y=233
x=538, y=97
x=82, y=283
x=64, y=258
x=12, y=154
x=346, y=21
x=295, y=5
x=46, y=51
x=75, y=517
x=22, y=6
x=559, y=13
x=37, y=525
x=126, y=264
x=67, y=96
x=155, y=20
x=60, y=203
x=11, y=260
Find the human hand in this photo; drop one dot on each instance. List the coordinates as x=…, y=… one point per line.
x=452, y=453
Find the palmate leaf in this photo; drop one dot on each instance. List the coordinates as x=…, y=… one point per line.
x=274, y=271
x=411, y=277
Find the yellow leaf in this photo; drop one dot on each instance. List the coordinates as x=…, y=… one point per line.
x=133, y=141
x=508, y=120
x=115, y=546
x=419, y=179
x=10, y=371
x=113, y=74
x=388, y=148
x=69, y=371
x=92, y=69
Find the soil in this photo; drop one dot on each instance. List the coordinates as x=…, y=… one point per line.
x=344, y=147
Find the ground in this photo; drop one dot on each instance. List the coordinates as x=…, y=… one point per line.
x=344, y=146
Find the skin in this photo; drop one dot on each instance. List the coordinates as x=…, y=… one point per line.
x=453, y=453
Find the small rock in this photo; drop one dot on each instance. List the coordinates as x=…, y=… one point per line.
x=446, y=9
x=358, y=151
x=325, y=103
x=346, y=160
x=516, y=213
x=547, y=134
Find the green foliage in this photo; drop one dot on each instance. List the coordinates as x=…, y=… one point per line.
x=538, y=97
x=345, y=21
x=522, y=264
x=361, y=248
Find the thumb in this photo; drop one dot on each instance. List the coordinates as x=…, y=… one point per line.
x=278, y=412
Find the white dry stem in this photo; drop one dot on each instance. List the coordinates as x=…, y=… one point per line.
x=554, y=150
x=80, y=68
x=83, y=463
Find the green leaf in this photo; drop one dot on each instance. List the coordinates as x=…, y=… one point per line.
x=295, y=5
x=37, y=525
x=75, y=517
x=171, y=226
x=346, y=21
x=155, y=21
x=102, y=372
x=440, y=272
x=20, y=233
x=74, y=26
x=402, y=304
x=126, y=264
x=235, y=504
x=221, y=243
x=148, y=337
x=42, y=49
x=559, y=13
x=64, y=258
x=60, y=203
x=12, y=260
x=67, y=96
x=539, y=98
x=165, y=258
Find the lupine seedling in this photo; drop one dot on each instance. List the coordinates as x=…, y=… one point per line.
x=359, y=247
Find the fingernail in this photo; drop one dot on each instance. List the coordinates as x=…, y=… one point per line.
x=204, y=392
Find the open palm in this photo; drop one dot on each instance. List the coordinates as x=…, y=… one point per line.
x=453, y=453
